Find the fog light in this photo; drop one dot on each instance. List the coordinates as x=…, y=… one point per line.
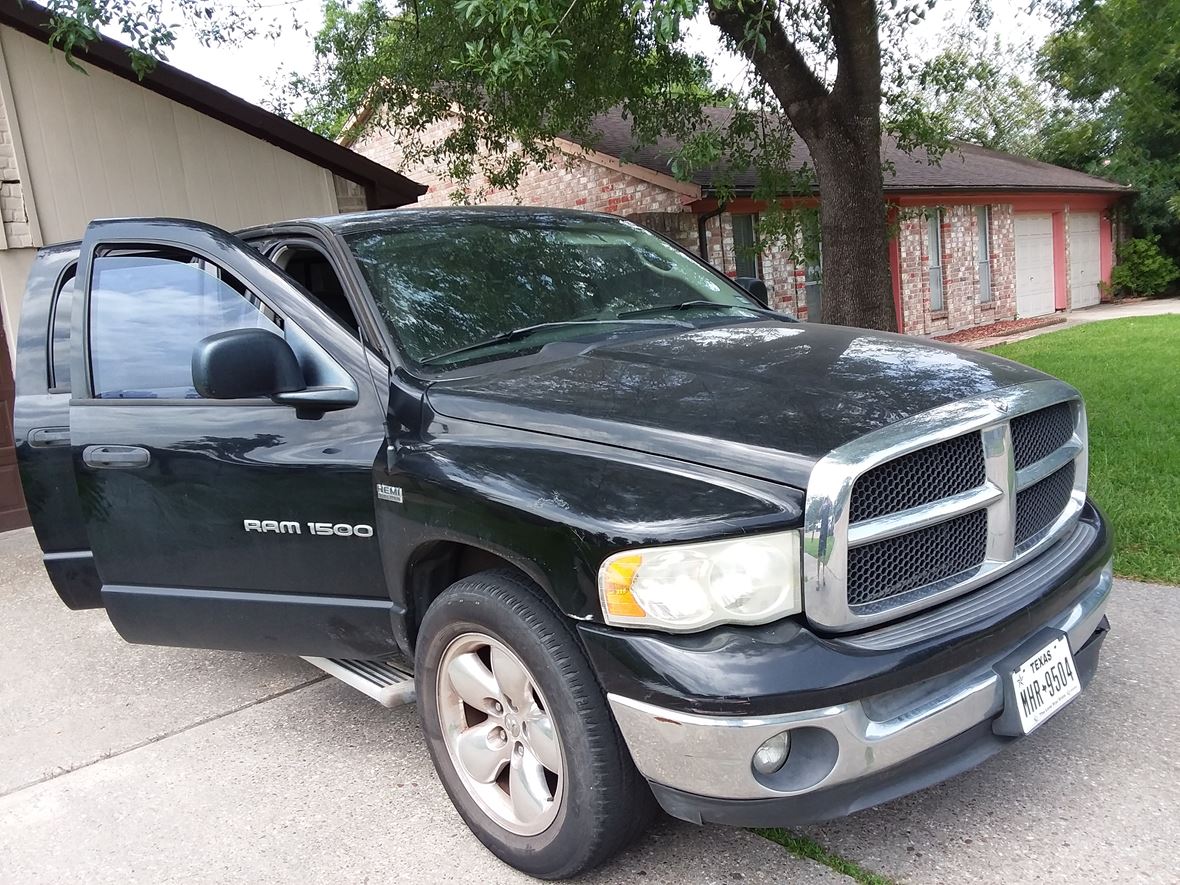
x=770, y=757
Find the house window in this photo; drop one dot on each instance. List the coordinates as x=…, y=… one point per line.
x=934, y=238
x=984, y=246
x=813, y=264
x=745, y=237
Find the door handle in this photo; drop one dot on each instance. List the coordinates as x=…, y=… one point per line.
x=120, y=457
x=49, y=437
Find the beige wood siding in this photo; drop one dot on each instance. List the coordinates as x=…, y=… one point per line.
x=99, y=146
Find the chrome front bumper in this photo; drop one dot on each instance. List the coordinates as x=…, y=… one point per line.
x=710, y=756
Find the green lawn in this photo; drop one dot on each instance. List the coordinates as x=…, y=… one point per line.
x=1129, y=373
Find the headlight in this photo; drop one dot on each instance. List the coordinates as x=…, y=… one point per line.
x=686, y=587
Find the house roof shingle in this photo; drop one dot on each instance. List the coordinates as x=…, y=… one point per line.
x=967, y=167
x=387, y=187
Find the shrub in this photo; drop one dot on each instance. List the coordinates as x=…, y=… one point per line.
x=1143, y=269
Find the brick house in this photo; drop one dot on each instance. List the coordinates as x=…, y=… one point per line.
x=983, y=236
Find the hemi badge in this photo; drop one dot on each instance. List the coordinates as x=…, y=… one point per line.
x=389, y=493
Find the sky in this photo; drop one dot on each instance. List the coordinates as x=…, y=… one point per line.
x=247, y=70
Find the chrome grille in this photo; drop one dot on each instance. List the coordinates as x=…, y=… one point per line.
x=920, y=477
x=1042, y=502
x=935, y=505
x=1039, y=434
x=897, y=565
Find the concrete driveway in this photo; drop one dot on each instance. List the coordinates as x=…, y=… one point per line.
x=133, y=764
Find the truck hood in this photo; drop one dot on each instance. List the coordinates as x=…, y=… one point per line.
x=766, y=399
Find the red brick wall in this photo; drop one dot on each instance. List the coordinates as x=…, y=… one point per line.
x=570, y=183
x=962, y=306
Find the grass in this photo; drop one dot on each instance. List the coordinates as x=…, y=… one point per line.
x=1128, y=371
x=804, y=846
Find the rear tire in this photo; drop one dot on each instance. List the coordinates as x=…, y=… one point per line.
x=545, y=781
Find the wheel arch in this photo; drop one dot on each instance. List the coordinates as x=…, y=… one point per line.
x=435, y=565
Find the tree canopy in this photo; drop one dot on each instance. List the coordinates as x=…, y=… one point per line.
x=982, y=90
x=1115, y=67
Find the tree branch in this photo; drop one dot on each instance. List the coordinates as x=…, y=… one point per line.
x=777, y=60
x=858, y=50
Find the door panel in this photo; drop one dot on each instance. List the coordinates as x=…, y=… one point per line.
x=42, y=428
x=12, y=503
x=1034, y=265
x=1085, y=259
x=215, y=495
x=180, y=520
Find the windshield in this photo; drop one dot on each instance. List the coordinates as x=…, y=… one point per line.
x=452, y=289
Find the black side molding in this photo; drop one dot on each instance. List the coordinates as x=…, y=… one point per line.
x=270, y=623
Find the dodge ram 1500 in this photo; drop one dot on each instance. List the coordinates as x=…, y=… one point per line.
x=626, y=536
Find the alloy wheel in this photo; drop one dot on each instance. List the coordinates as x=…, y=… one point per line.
x=500, y=734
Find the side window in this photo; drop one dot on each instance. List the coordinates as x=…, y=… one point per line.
x=148, y=311
x=312, y=269
x=59, y=335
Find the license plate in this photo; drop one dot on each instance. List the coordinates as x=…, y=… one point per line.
x=1044, y=684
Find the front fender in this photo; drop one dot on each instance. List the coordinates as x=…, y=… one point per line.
x=557, y=507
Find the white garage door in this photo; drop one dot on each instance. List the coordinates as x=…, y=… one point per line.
x=1034, y=265
x=1084, y=259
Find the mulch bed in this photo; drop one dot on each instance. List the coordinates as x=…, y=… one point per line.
x=1000, y=329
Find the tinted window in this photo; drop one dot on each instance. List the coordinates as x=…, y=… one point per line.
x=147, y=314
x=449, y=283
x=59, y=341
x=312, y=270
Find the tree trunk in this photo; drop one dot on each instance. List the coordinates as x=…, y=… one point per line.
x=854, y=233
x=841, y=127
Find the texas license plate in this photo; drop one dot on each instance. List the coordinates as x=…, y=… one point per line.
x=1045, y=683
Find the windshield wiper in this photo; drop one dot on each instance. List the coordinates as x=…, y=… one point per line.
x=526, y=331
x=688, y=305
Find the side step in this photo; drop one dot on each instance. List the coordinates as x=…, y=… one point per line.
x=389, y=683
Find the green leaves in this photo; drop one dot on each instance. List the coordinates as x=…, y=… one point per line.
x=976, y=90
x=1115, y=68
x=1142, y=269
x=149, y=28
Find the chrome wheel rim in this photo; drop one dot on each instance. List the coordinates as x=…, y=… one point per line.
x=499, y=733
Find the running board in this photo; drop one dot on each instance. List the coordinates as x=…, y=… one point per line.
x=386, y=682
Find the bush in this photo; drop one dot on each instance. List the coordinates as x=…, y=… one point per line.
x=1143, y=269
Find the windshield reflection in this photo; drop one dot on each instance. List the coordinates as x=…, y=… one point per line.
x=447, y=284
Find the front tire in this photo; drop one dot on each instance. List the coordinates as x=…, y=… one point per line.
x=520, y=731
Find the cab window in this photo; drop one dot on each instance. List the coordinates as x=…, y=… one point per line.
x=148, y=311
x=59, y=335
x=312, y=269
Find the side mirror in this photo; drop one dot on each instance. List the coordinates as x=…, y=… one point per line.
x=244, y=364
x=756, y=288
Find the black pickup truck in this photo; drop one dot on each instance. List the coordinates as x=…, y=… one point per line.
x=620, y=531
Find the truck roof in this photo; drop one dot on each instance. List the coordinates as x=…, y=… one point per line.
x=353, y=221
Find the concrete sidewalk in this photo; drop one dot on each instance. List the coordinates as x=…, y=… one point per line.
x=133, y=764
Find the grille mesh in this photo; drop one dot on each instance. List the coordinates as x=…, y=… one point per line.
x=1041, y=433
x=1042, y=502
x=886, y=568
x=927, y=475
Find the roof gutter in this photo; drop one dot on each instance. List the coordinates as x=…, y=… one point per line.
x=702, y=237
